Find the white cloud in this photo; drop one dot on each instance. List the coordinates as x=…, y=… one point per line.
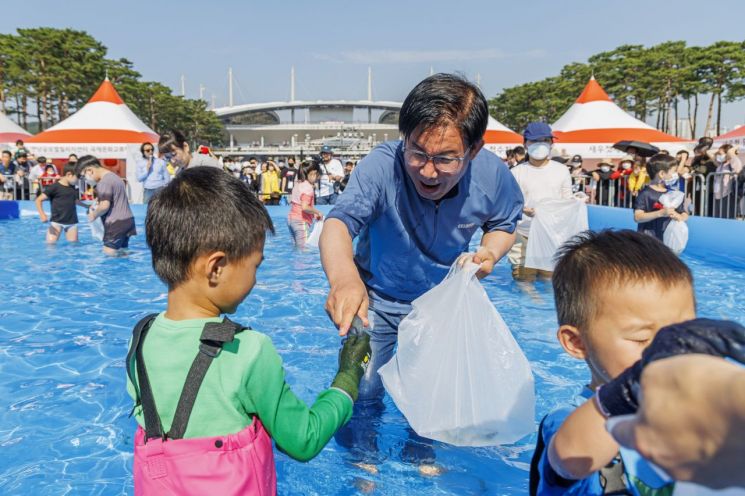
x=420, y=56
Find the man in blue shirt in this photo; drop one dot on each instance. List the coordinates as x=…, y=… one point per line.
x=415, y=205
x=151, y=172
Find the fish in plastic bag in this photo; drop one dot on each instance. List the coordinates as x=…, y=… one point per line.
x=315, y=234
x=458, y=375
x=554, y=223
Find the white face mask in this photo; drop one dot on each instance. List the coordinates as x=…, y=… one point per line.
x=604, y=168
x=89, y=180
x=626, y=166
x=539, y=151
x=721, y=158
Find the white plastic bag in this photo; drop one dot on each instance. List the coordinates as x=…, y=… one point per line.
x=554, y=223
x=675, y=236
x=458, y=375
x=315, y=234
x=97, y=225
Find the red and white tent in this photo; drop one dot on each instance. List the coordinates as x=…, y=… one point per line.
x=734, y=137
x=106, y=128
x=10, y=132
x=594, y=123
x=498, y=138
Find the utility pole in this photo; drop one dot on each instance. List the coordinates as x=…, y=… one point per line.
x=292, y=83
x=230, y=86
x=369, y=84
x=431, y=71
x=213, y=101
x=183, y=85
x=201, y=91
x=478, y=79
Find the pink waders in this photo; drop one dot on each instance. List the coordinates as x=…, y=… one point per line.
x=165, y=463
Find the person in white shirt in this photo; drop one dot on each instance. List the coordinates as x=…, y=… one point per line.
x=539, y=178
x=332, y=172
x=36, y=172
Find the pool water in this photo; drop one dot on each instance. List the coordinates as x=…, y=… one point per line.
x=67, y=313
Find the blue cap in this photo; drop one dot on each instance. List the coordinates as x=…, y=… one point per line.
x=326, y=149
x=537, y=131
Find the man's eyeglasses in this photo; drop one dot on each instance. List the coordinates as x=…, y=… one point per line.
x=443, y=163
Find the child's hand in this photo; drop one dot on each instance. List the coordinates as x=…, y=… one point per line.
x=676, y=216
x=669, y=212
x=354, y=358
x=318, y=215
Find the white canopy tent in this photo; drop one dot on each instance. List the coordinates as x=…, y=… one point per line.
x=594, y=123
x=499, y=138
x=106, y=128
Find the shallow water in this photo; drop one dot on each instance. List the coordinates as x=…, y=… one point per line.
x=67, y=314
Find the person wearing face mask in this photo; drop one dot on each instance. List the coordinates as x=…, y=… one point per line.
x=651, y=217
x=621, y=177
x=151, y=172
x=602, y=182
x=729, y=167
x=539, y=178
x=113, y=206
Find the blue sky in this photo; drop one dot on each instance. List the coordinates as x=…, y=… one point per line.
x=332, y=42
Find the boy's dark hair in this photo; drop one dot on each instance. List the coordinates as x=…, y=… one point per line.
x=70, y=168
x=519, y=150
x=660, y=162
x=201, y=210
x=84, y=162
x=443, y=99
x=174, y=138
x=584, y=268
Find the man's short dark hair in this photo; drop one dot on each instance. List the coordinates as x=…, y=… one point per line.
x=660, y=162
x=444, y=99
x=519, y=150
x=7, y=152
x=221, y=214
x=84, y=162
x=168, y=139
x=595, y=261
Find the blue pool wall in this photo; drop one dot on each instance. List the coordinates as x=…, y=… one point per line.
x=708, y=237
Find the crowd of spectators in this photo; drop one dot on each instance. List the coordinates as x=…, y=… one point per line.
x=713, y=179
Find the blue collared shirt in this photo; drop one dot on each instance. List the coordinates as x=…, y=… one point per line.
x=158, y=175
x=408, y=243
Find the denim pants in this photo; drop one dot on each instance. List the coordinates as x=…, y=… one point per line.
x=360, y=434
x=327, y=200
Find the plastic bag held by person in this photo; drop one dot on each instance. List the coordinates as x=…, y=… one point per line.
x=315, y=234
x=458, y=375
x=554, y=223
x=97, y=225
x=675, y=236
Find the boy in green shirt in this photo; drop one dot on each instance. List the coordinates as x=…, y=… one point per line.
x=206, y=231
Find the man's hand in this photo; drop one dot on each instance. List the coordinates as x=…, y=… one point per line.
x=43, y=217
x=483, y=257
x=347, y=298
x=691, y=420
x=530, y=212
x=91, y=215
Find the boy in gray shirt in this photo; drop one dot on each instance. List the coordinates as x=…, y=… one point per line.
x=113, y=205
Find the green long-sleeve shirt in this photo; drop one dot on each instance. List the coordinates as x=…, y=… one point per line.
x=245, y=379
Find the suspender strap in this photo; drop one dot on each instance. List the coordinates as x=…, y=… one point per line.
x=142, y=326
x=153, y=427
x=214, y=336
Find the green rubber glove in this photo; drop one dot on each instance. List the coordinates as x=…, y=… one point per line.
x=354, y=358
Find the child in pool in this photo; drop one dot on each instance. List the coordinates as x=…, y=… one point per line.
x=63, y=196
x=302, y=204
x=609, y=310
x=206, y=231
x=651, y=217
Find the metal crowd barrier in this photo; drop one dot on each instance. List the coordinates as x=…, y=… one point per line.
x=718, y=194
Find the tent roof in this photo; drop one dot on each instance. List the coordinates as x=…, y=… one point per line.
x=104, y=119
x=10, y=131
x=496, y=132
x=595, y=118
x=738, y=132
